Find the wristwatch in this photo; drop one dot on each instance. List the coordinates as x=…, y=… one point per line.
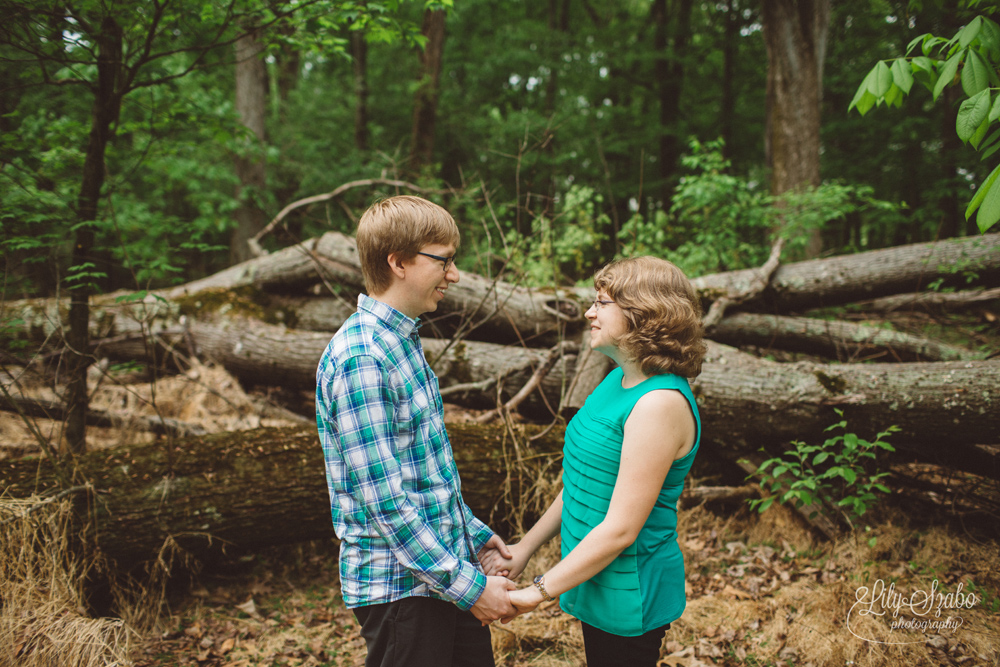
x=540, y=585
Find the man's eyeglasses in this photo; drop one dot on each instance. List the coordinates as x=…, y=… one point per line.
x=598, y=304
x=448, y=261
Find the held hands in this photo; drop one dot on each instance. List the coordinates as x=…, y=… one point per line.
x=510, y=565
x=494, y=551
x=494, y=604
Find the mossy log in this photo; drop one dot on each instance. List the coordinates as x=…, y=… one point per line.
x=244, y=490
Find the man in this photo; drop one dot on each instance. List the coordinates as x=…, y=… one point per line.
x=410, y=547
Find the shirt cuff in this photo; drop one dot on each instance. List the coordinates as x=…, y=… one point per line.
x=468, y=584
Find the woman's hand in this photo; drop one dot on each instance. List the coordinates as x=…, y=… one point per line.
x=493, y=557
x=524, y=600
x=494, y=562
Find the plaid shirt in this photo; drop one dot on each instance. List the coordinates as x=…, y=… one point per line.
x=395, y=493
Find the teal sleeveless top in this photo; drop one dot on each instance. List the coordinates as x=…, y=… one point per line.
x=643, y=588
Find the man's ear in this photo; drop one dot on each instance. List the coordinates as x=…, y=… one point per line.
x=395, y=262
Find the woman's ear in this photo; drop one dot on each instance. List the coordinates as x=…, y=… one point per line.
x=396, y=265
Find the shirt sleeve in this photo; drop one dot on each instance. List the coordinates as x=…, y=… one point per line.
x=367, y=432
x=480, y=532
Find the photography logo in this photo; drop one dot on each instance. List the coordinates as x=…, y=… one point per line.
x=909, y=617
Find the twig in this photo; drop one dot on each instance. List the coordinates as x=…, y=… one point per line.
x=536, y=379
x=254, y=242
x=761, y=278
x=51, y=499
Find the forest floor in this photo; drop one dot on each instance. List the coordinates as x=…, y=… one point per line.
x=763, y=590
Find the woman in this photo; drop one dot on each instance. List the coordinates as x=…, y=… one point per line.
x=626, y=454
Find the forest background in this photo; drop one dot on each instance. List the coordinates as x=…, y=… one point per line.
x=146, y=144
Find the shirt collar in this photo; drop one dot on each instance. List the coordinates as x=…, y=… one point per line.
x=391, y=317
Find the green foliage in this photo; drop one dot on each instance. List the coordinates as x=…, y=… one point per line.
x=839, y=473
x=720, y=222
x=561, y=248
x=970, y=60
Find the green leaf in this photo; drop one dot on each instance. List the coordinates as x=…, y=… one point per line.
x=879, y=84
x=975, y=74
x=981, y=193
x=989, y=211
x=984, y=127
x=916, y=41
x=991, y=146
x=947, y=74
x=971, y=115
x=822, y=456
x=902, y=76
x=969, y=32
x=894, y=98
x=861, y=93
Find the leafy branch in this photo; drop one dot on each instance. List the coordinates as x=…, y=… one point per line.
x=970, y=58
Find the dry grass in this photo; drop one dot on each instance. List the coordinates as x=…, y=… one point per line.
x=42, y=618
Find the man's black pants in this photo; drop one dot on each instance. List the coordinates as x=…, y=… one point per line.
x=419, y=632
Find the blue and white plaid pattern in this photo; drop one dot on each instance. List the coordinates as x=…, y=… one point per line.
x=395, y=493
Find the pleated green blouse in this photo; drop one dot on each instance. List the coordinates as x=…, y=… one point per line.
x=643, y=588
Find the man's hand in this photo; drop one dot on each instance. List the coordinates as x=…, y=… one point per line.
x=494, y=604
x=493, y=555
x=494, y=562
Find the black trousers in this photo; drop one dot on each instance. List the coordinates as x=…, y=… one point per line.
x=419, y=632
x=607, y=650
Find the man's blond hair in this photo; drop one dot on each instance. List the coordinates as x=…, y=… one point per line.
x=401, y=225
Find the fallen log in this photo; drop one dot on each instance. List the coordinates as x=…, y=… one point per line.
x=747, y=402
x=484, y=309
x=251, y=489
x=944, y=409
x=56, y=411
x=845, y=341
x=934, y=301
x=834, y=281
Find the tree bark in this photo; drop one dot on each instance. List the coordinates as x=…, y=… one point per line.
x=795, y=37
x=251, y=105
x=669, y=54
x=359, y=62
x=844, y=341
x=252, y=489
x=426, y=99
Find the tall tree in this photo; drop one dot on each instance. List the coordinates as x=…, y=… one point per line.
x=426, y=99
x=670, y=40
x=795, y=33
x=251, y=169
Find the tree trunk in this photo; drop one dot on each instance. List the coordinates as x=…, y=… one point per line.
x=251, y=489
x=107, y=103
x=727, y=103
x=359, y=61
x=844, y=341
x=251, y=105
x=426, y=99
x=669, y=53
x=795, y=37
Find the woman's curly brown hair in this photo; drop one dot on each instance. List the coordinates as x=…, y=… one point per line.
x=665, y=332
